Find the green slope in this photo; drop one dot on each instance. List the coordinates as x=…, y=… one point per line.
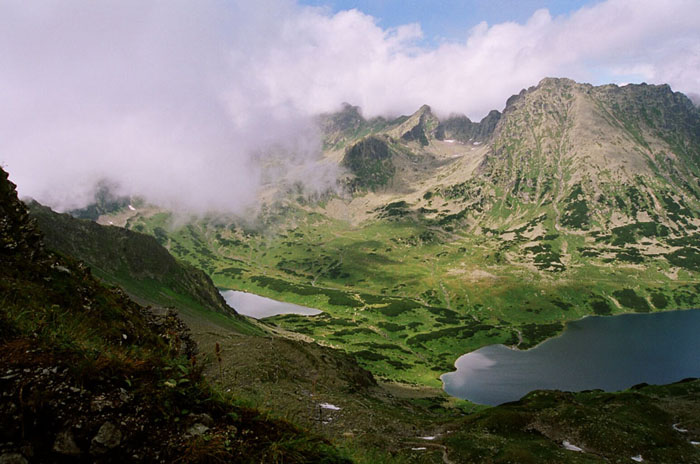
x=138, y=264
x=658, y=423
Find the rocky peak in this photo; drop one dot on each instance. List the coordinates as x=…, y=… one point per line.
x=106, y=201
x=548, y=86
x=419, y=127
x=656, y=106
x=556, y=82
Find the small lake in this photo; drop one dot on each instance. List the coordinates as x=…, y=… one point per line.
x=609, y=353
x=259, y=307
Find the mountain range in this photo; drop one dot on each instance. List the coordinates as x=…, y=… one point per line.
x=447, y=235
x=452, y=234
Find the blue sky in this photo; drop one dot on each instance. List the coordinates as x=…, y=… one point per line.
x=449, y=19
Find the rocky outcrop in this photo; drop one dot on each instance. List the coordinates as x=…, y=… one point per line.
x=462, y=129
x=419, y=127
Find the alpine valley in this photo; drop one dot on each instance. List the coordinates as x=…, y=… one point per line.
x=443, y=236
x=575, y=200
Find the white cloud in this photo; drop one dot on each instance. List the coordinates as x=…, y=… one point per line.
x=179, y=101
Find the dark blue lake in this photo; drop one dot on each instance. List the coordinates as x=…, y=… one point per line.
x=610, y=353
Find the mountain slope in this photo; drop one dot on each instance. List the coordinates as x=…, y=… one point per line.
x=631, y=151
x=89, y=376
x=649, y=423
x=562, y=140
x=279, y=373
x=470, y=242
x=135, y=262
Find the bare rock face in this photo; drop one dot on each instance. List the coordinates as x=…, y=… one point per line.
x=419, y=127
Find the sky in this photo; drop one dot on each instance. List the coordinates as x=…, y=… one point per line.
x=448, y=20
x=196, y=105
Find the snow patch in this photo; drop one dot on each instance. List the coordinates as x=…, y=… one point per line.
x=420, y=448
x=132, y=208
x=449, y=141
x=696, y=443
x=329, y=406
x=427, y=438
x=679, y=429
x=567, y=444
x=637, y=458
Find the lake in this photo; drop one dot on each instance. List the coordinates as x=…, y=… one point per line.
x=609, y=353
x=259, y=307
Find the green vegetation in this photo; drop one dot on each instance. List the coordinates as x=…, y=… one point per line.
x=577, y=211
x=370, y=161
x=538, y=235
x=608, y=427
x=630, y=299
x=139, y=264
x=401, y=282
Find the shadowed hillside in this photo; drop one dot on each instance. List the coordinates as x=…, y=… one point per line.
x=137, y=263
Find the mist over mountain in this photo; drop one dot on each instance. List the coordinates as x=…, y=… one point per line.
x=695, y=98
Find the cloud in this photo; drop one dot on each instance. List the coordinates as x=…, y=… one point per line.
x=164, y=98
x=195, y=105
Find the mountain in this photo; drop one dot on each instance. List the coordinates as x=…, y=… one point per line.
x=106, y=201
x=590, y=157
x=620, y=164
x=460, y=128
x=601, y=156
x=573, y=200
